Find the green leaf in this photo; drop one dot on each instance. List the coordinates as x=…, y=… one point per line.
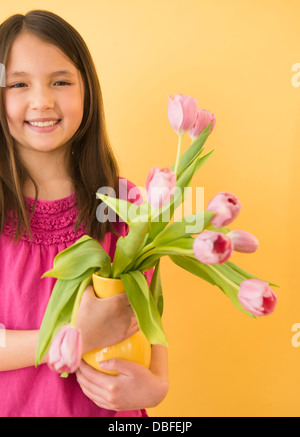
x=72, y=262
x=156, y=288
x=127, y=211
x=247, y=275
x=189, y=225
x=181, y=246
x=224, y=229
x=74, y=246
x=128, y=247
x=193, y=150
x=147, y=264
x=202, y=160
x=193, y=266
x=228, y=282
x=158, y=222
x=217, y=274
x=144, y=307
x=59, y=310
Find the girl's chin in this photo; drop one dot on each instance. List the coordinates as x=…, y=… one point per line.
x=40, y=146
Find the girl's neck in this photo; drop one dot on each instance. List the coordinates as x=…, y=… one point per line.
x=51, y=172
x=57, y=189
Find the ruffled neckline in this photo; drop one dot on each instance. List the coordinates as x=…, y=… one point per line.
x=51, y=206
x=52, y=221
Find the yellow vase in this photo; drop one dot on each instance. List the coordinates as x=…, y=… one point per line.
x=135, y=348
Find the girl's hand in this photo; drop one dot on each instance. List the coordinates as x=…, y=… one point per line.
x=104, y=322
x=134, y=388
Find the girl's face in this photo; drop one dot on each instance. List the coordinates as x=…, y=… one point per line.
x=44, y=95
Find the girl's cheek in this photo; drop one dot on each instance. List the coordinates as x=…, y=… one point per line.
x=14, y=109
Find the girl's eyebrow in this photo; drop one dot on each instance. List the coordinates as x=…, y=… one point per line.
x=54, y=73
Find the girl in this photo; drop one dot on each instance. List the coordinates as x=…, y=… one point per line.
x=55, y=155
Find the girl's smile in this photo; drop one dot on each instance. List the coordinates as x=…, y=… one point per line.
x=43, y=125
x=44, y=95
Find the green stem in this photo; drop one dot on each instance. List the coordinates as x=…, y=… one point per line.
x=178, y=153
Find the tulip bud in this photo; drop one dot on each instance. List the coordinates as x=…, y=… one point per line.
x=182, y=113
x=212, y=247
x=226, y=207
x=257, y=297
x=160, y=186
x=243, y=241
x=204, y=118
x=66, y=350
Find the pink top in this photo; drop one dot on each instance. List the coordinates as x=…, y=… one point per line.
x=31, y=391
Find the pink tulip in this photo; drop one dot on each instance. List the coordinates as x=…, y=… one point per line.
x=257, y=297
x=226, y=207
x=243, y=241
x=204, y=118
x=212, y=247
x=182, y=113
x=160, y=186
x=66, y=350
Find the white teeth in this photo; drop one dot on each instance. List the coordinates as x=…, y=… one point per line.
x=43, y=124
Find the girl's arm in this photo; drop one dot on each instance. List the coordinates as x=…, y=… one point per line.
x=134, y=388
x=19, y=349
x=103, y=322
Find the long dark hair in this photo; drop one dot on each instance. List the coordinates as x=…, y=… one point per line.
x=94, y=165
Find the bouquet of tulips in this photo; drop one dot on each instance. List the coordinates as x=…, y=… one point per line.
x=200, y=243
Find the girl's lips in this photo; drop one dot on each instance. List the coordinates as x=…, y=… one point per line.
x=45, y=129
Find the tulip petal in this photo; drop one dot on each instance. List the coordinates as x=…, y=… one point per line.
x=226, y=207
x=190, y=107
x=160, y=186
x=203, y=119
x=175, y=114
x=212, y=247
x=66, y=350
x=182, y=113
x=257, y=297
x=243, y=241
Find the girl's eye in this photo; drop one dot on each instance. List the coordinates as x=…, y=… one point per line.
x=18, y=85
x=22, y=85
x=62, y=83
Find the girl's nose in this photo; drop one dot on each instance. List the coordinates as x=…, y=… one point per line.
x=42, y=98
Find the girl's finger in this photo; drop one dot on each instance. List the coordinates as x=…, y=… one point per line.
x=92, y=375
x=123, y=367
x=90, y=387
x=96, y=398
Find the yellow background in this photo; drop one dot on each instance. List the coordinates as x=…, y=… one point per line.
x=236, y=58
